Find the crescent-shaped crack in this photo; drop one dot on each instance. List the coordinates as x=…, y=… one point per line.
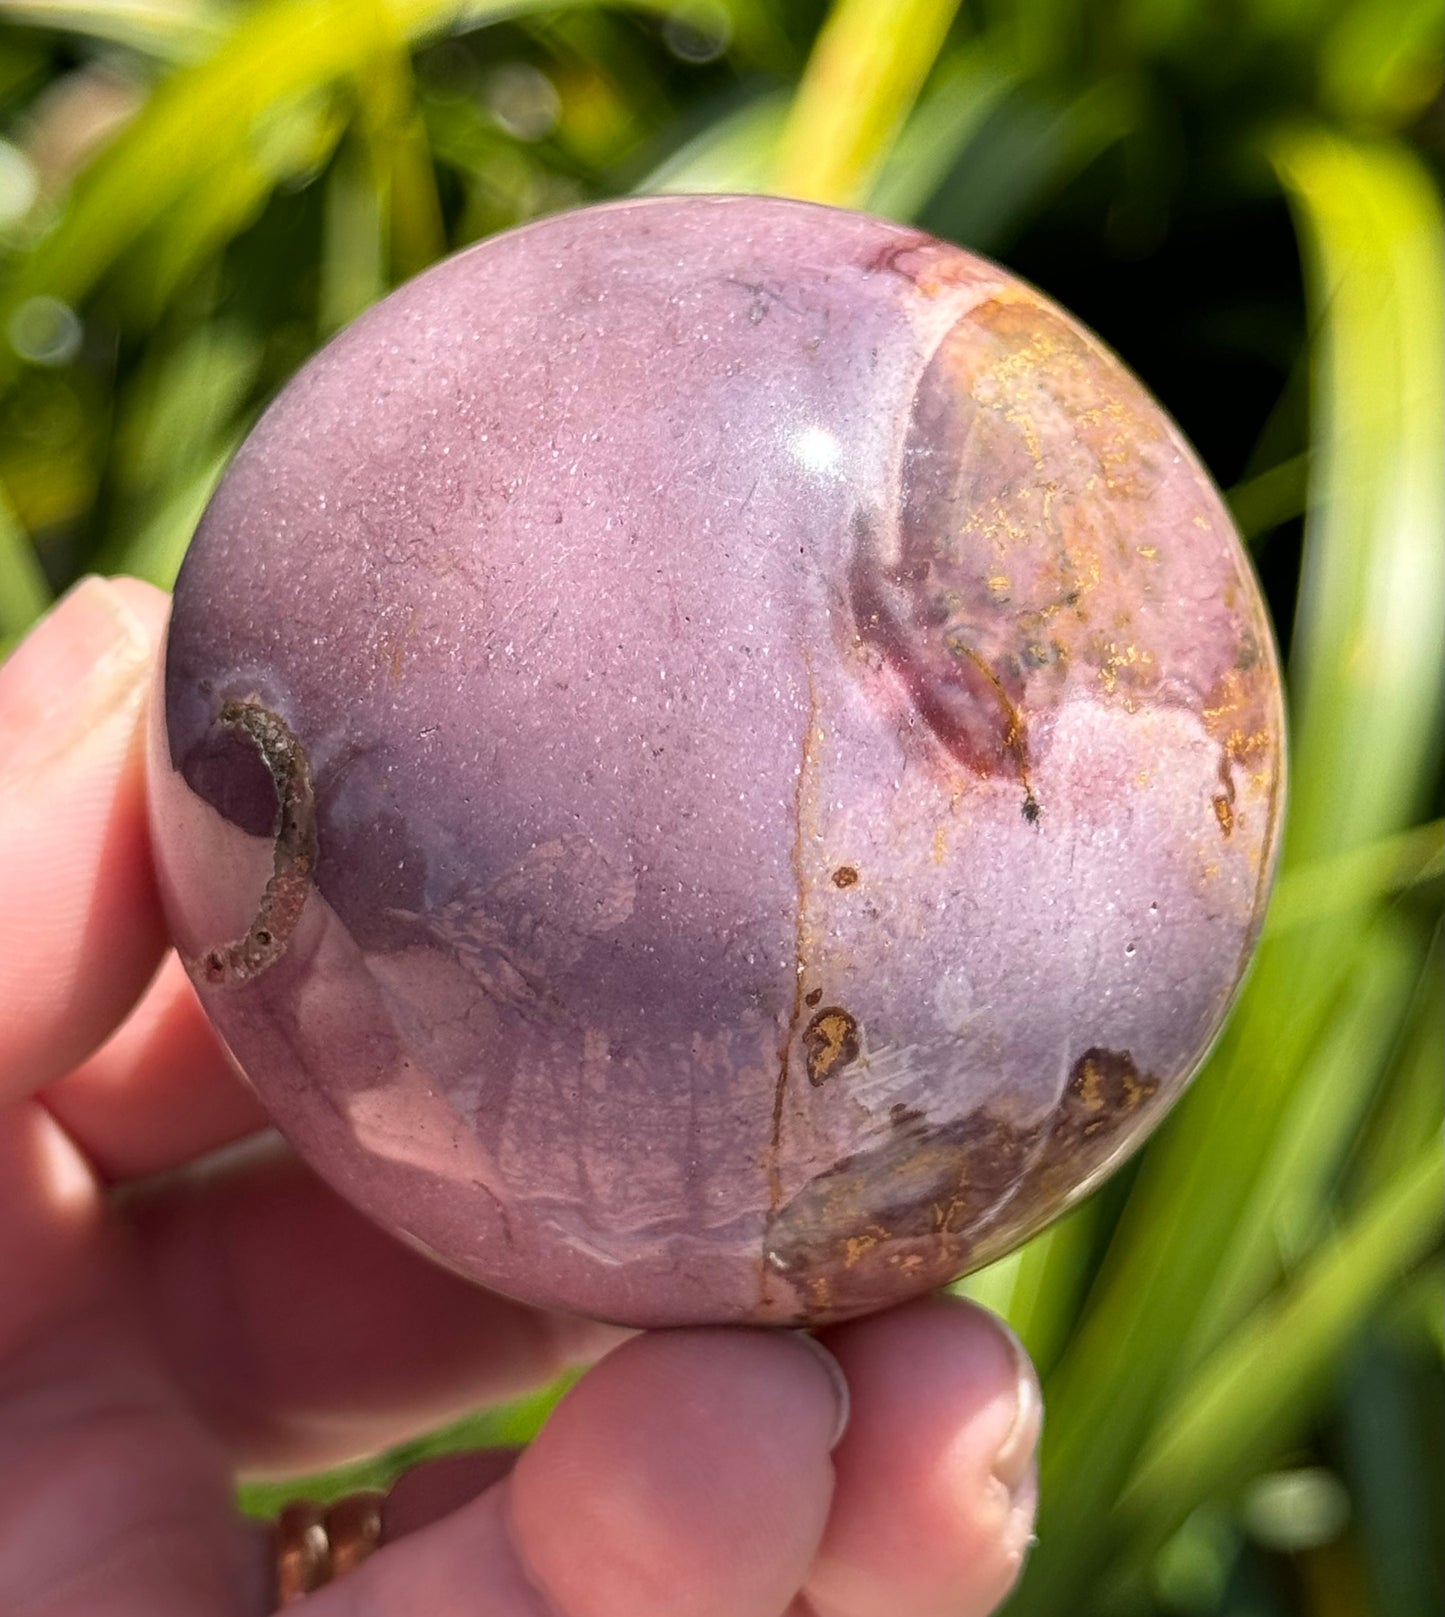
x=294, y=833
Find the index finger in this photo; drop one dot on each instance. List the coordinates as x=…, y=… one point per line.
x=81, y=931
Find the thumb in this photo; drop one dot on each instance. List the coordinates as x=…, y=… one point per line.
x=80, y=924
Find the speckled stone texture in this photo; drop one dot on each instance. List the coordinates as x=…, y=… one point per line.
x=720, y=760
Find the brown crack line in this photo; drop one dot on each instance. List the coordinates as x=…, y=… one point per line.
x=1015, y=739
x=294, y=862
x=795, y=1013
x=878, y=625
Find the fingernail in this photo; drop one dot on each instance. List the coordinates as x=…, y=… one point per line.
x=1014, y=1461
x=83, y=661
x=836, y=1376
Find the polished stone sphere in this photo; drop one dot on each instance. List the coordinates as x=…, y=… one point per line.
x=718, y=760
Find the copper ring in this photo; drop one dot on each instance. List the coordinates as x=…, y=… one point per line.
x=317, y=1543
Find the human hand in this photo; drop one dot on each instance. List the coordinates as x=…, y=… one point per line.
x=158, y=1334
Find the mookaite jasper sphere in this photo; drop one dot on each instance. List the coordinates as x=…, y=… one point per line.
x=719, y=760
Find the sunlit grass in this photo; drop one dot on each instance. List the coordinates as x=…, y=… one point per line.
x=1247, y=1325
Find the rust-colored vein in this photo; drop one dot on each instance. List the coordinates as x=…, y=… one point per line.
x=1014, y=738
x=795, y=1013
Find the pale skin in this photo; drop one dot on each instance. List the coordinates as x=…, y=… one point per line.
x=160, y=1335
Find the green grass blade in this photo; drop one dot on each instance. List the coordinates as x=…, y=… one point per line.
x=182, y=398
x=188, y=237
x=393, y=163
x=1038, y=1289
x=1357, y=878
x=1380, y=63
x=967, y=86
x=1370, y=640
x=1271, y=497
x=1027, y=152
x=1367, y=657
x=505, y=1426
x=154, y=549
x=160, y=28
x=353, y=248
x=24, y=592
x=1256, y=1392
x=1412, y=1107
x=734, y=153
x=1370, y=216
x=1423, y=1304
x=1330, y=1097
x=1388, y=1447
x=738, y=151
x=418, y=231
x=868, y=65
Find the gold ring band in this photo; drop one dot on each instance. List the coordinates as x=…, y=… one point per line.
x=317, y=1543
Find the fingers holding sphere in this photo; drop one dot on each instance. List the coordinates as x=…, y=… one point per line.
x=687, y=1475
x=160, y=1091
x=81, y=931
x=933, y=1512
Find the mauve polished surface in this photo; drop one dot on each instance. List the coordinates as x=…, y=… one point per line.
x=720, y=760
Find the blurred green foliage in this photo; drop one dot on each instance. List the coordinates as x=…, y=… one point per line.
x=1242, y=1334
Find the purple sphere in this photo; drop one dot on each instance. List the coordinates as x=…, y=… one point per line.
x=719, y=761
